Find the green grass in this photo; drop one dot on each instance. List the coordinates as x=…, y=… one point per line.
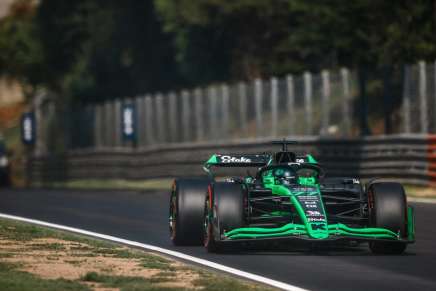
x=150, y=184
x=420, y=191
x=12, y=278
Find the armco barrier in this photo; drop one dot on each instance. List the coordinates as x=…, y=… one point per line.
x=406, y=158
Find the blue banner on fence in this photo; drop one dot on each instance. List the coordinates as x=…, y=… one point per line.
x=128, y=120
x=28, y=128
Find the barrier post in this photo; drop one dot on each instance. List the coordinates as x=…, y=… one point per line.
x=242, y=92
x=199, y=114
x=423, y=97
x=258, y=96
x=139, y=120
x=290, y=104
x=274, y=105
x=212, y=96
x=346, y=99
x=225, y=111
x=160, y=119
x=98, y=126
x=117, y=128
x=308, y=103
x=406, y=100
x=186, y=113
x=149, y=136
x=325, y=117
x=172, y=116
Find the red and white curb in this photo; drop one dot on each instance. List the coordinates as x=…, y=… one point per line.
x=223, y=268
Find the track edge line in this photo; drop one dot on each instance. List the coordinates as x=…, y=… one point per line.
x=175, y=254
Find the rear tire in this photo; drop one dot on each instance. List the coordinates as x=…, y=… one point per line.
x=225, y=213
x=388, y=209
x=187, y=211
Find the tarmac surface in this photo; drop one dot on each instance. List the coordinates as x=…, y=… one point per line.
x=143, y=217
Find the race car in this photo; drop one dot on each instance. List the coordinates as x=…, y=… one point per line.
x=288, y=199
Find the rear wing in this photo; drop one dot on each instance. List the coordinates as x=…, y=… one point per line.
x=238, y=160
x=250, y=160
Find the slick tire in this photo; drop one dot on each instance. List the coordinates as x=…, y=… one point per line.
x=224, y=211
x=187, y=211
x=388, y=209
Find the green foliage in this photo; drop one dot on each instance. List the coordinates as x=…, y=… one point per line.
x=276, y=37
x=21, y=54
x=91, y=50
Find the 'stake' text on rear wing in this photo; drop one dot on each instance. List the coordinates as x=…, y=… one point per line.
x=238, y=160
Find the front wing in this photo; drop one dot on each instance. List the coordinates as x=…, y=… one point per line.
x=336, y=231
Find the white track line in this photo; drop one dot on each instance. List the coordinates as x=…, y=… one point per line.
x=171, y=253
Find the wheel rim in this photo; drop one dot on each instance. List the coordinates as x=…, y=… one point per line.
x=173, y=217
x=207, y=225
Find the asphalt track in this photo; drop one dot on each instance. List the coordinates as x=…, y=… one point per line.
x=142, y=217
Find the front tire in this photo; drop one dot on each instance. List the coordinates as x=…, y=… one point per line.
x=388, y=209
x=224, y=211
x=187, y=211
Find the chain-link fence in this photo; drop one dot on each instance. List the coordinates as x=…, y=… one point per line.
x=324, y=104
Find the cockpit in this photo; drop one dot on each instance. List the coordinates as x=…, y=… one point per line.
x=290, y=175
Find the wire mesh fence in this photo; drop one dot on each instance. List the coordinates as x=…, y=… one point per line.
x=323, y=104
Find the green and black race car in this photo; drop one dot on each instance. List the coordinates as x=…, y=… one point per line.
x=288, y=199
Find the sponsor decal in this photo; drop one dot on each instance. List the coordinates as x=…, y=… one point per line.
x=315, y=219
x=313, y=213
x=230, y=159
x=312, y=207
x=28, y=128
x=303, y=189
x=299, y=160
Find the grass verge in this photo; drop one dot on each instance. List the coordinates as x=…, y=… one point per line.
x=38, y=258
x=149, y=184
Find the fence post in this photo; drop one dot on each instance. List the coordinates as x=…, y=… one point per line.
x=212, y=112
x=117, y=120
x=325, y=102
x=434, y=88
x=225, y=111
x=97, y=126
x=258, y=96
x=149, y=136
x=139, y=119
x=406, y=100
x=346, y=112
x=199, y=114
x=186, y=116
x=423, y=97
x=290, y=104
x=308, y=102
x=108, y=124
x=242, y=92
x=160, y=118
x=173, y=116
x=274, y=105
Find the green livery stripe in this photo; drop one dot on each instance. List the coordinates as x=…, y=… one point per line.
x=292, y=229
x=410, y=224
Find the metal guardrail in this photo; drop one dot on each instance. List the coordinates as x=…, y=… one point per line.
x=407, y=158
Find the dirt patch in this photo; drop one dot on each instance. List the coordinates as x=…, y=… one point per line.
x=51, y=258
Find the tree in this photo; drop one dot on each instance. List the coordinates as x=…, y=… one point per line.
x=21, y=55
